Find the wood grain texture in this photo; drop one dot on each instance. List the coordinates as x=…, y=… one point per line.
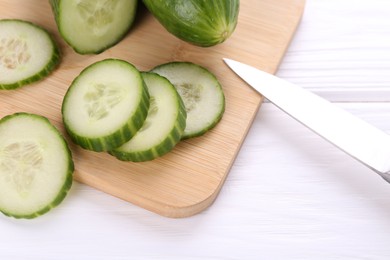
x=187, y=180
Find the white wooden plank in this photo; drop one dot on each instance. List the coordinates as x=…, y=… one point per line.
x=342, y=50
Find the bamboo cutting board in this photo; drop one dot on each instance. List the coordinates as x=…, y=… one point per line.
x=188, y=179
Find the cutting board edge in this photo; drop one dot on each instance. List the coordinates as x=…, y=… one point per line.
x=194, y=209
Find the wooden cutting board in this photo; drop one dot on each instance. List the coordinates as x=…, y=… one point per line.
x=188, y=179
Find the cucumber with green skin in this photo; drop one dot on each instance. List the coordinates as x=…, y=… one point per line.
x=163, y=127
x=105, y=105
x=201, y=22
x=36, y=166
x=27, y=53
x=92, y=26
x=201, y=93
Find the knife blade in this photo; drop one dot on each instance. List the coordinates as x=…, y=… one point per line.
x=359, y=139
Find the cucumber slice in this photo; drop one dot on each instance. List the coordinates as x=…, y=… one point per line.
x=105, y=105
x=92, y=26
x=201, y=92
x=164, y=124
x=36, y=166
x=27, y=53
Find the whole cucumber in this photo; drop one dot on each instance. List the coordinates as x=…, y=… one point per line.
x=200, y=22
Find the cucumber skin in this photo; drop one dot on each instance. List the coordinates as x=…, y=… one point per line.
x=165, y=146
x=217, y=119
x=211, y=23
x=124, y=134
x=69, y=176
x=55, y=5
x=119, y=137
x=53, y=63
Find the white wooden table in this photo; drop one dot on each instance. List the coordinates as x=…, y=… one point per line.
x=289, y=195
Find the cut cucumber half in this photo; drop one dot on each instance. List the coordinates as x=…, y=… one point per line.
x=92, y=26
x=105, y=105
x=164, y=125
x=27, y=53
x=35, y=166
x=201, y=92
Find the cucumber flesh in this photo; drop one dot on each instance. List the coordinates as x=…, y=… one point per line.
x=105, y=105
x=164, y=125
x=27, y=53
x=35, y=166
x=201, y=93
x=92, y=26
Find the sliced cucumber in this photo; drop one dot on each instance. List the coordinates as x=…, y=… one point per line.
x=105, y=105
x=27, y=53
x=35, y=166
x=201, y=92
x=92, y=26
x=164, y=124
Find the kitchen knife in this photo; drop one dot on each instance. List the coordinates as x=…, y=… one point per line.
x=354, y=136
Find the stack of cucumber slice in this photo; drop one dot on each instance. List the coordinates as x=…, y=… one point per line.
x=163, y=127
x=139, y=116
